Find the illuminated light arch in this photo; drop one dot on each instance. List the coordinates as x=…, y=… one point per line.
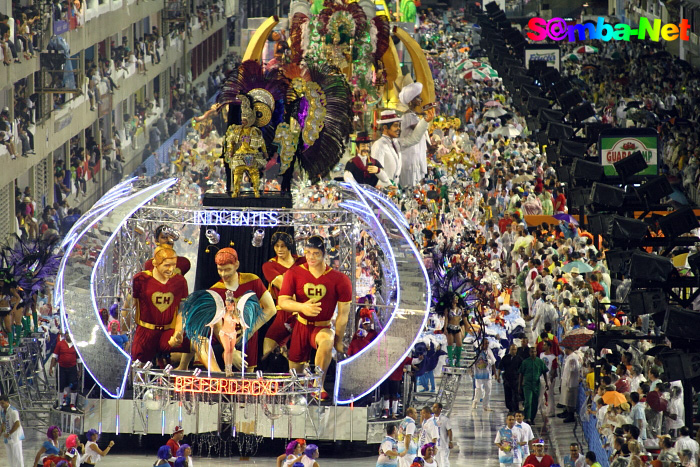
x=75, y=294
x=360, y=374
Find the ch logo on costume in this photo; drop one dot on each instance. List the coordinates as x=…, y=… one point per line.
x=315, y=292
x=162, y=301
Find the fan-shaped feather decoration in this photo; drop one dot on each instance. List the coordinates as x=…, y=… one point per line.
x=251, y=75
x=198, y=311
x=319, y=158
x=29, y=264
x=299, y=37
x=380, y=42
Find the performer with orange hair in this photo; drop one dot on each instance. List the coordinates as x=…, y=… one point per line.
x=157, y=295
x=239, y=283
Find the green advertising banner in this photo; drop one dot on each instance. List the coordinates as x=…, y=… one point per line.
x=615, y=148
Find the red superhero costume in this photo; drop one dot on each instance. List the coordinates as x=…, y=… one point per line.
x=331, y=288
x=278, y=331
x=246, y=283
x=158, y=305
x=182, y=266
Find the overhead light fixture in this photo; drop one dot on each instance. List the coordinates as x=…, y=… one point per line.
x=197, y=372
x=136, y=363
x=631, y=165
x=646, y=301
x=618, y=261
x=582, y=112
x=167, y=370
x=558, y=131
x=606, y=195
x=649, y=267
x=625, y=228
x=655, y=189
x=678, y=222
x=585, y=5
x=147, y=366
x=599, y=224
x=586, y=170
x=694, y=263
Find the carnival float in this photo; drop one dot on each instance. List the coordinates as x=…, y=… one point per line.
x=294, y=118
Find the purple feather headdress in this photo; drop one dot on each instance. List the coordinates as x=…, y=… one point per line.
x=29, y=264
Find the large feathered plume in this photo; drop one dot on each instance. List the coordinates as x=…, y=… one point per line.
x=248, y=76
x=29, y=264
x=381, y=35
x=319, y=158
x=198, y=311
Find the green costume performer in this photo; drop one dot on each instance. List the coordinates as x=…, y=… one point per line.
x=530, y=371
x=408, y=11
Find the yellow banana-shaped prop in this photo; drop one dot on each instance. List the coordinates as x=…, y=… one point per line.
x=257, y=42
x=392, y=66
x=420, y=65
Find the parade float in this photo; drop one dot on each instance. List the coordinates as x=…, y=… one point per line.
x=293, y=118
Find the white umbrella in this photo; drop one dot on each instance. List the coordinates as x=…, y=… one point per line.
x=495, y=113
x=509, y=131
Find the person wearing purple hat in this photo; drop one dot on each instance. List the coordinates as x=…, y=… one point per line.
x=310, y=456
x=51, y=447
x=293, y=451
x=428, y=453
x=186, y=452
x=364, y=169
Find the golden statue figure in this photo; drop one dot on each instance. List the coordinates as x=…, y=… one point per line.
x=245, y=148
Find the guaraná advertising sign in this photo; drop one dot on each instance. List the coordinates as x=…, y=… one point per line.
x=616, y=144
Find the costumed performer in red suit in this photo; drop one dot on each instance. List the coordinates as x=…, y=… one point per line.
x=313, y=290
x=157, y=295
x=166, y=236
x=273, y=270
x=239, y=283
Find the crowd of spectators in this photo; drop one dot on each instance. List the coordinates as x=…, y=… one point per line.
x=24, y=42
x=639, y=84
x=542, y=282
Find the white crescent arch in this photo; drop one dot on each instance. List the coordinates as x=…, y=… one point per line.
x=76, y=282
x=363, y=372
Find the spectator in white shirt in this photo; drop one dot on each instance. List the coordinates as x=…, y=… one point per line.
x=685, y=442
